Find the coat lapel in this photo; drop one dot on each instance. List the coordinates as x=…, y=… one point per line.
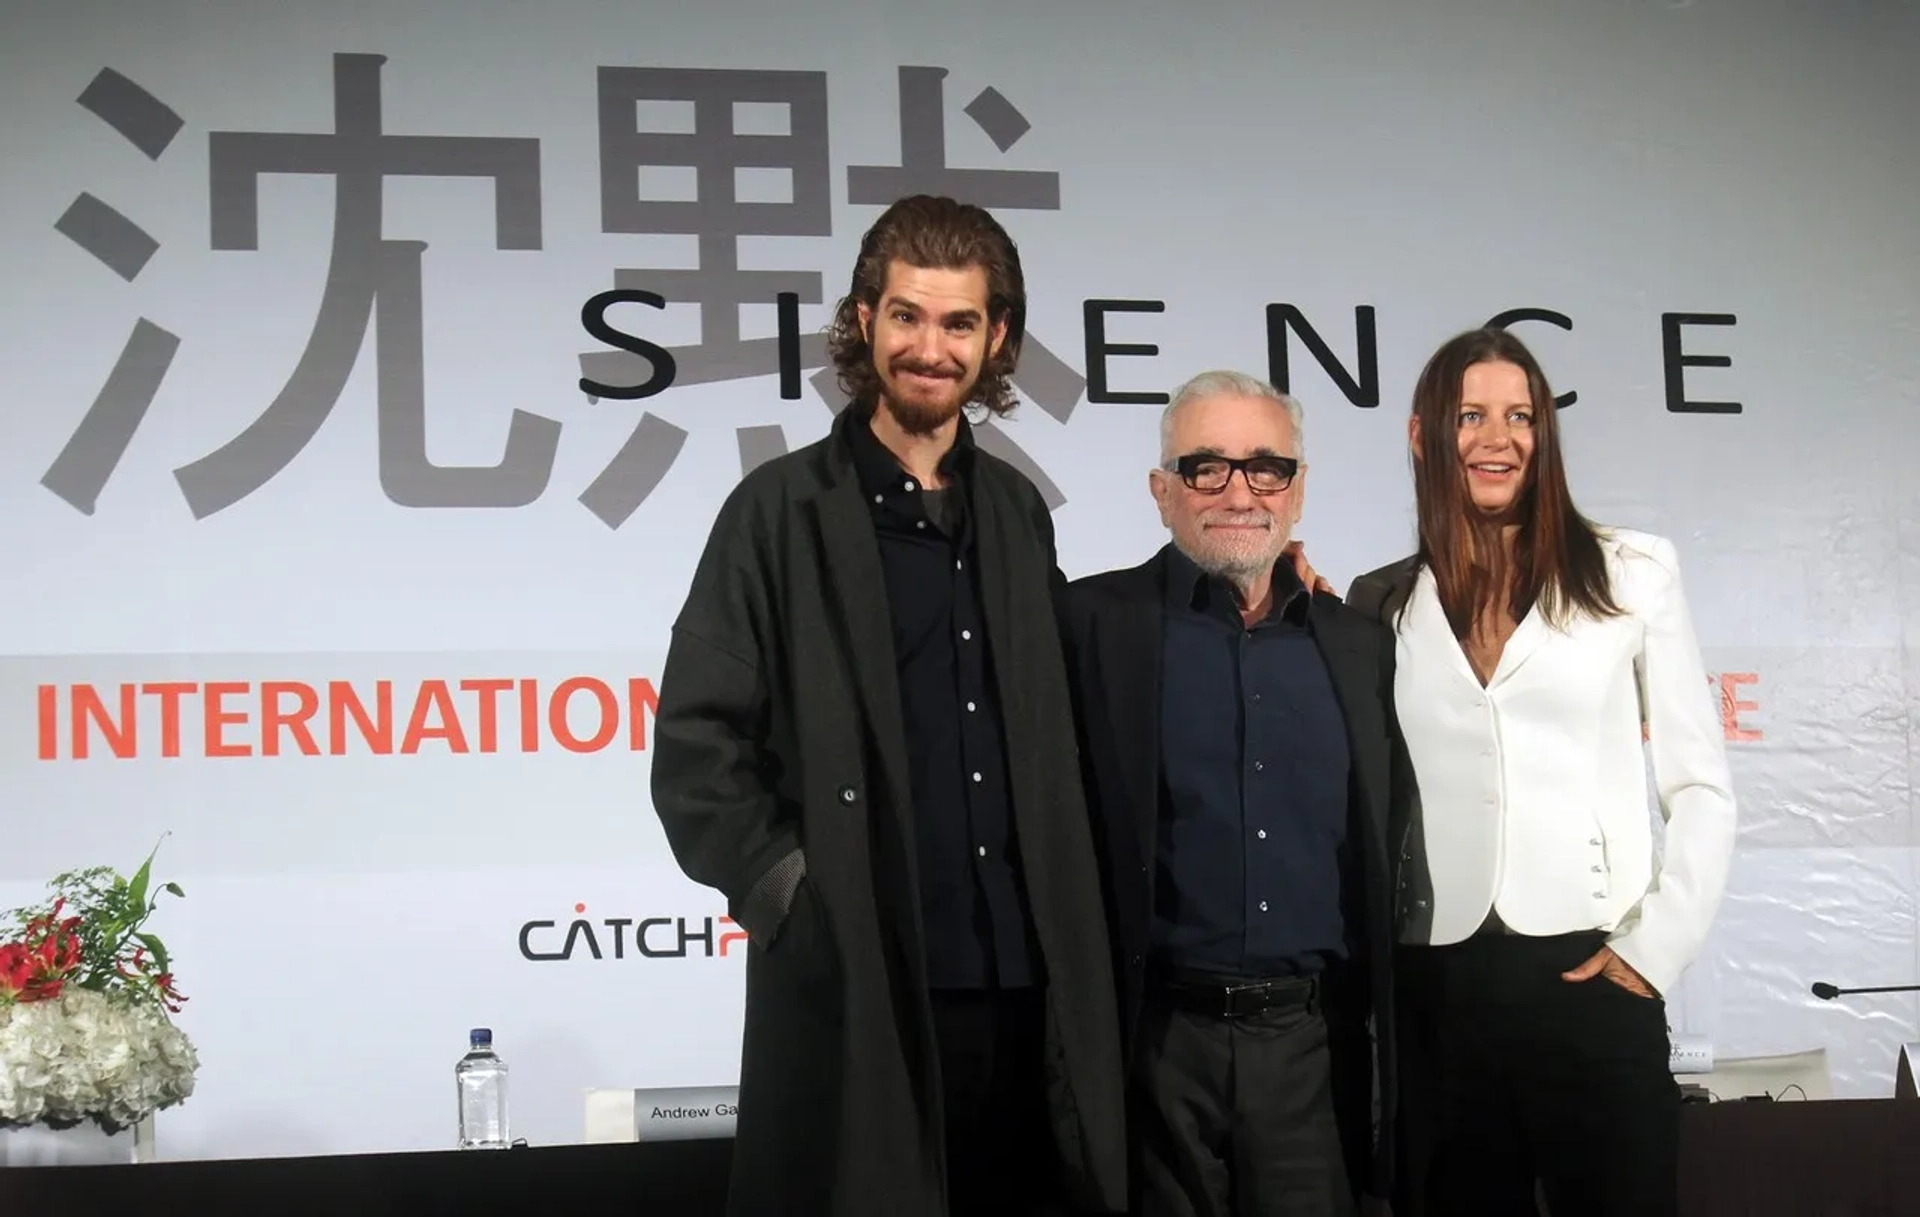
x=1129, y=650
x=1428, y=618
x=1526, y=639
x=998, y=558
x=856, y=585
x=1015, y=579
x=1354, y=677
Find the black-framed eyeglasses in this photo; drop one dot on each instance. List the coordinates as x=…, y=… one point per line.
x=1209, y=473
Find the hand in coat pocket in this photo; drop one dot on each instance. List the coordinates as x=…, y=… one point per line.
x=804, y=940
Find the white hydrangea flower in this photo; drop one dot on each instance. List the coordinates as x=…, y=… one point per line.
x=83, y=1056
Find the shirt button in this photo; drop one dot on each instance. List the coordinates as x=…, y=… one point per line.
x=1599, y=895
x=976, y=775
x=983, y=851
x=879, y=499
x=919, y=523
x=1596, y=870
x=1256, y=699
x=1259, y=765
x=969, y=707
x=1593, y=840
x=966, y=635
x=959, y=565
x=848, y=794
x=1262, y=834
x=908, y=484
x=1263, y=906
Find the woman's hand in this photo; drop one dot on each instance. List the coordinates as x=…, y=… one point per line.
x=1619, y=971
x=1296, y=553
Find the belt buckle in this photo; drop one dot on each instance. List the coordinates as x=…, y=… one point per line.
x=1231, y=1008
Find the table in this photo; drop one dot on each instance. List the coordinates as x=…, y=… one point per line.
x=1835, y=1158
x=651, y=1179
x=1842, y=1158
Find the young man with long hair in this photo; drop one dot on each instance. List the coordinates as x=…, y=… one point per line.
x=864, y=740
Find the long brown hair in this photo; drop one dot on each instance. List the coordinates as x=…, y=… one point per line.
x=933, y=233
x=1556, y=560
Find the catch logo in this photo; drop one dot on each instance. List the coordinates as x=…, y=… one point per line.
x=651, y=937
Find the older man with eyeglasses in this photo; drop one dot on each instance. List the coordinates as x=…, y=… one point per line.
x=1244, y=768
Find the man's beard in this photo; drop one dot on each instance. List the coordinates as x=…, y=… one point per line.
x=1239, y=564
x=917, y=415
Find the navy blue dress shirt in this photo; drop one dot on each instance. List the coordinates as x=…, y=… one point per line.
x=1254, y=785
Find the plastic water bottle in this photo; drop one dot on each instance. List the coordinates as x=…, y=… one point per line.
x=482, y=1080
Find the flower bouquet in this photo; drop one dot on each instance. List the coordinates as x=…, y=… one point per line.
x=86, y=999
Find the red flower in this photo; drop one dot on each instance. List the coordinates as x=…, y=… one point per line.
x=169, y=996
x=36, y=967
x=16, y=970
x=26, y=976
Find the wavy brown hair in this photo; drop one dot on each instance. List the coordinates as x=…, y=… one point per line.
x=933, y=233
x=1556, y=559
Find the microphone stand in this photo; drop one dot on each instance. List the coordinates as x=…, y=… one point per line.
x=1827, y=992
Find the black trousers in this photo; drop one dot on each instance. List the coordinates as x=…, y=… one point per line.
x=1001, y=1157
x=1523, y=1083
x=1234, y=1116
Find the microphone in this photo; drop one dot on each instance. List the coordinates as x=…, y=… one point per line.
x=1827, y=992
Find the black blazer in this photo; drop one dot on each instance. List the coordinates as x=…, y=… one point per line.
x=1112, y=626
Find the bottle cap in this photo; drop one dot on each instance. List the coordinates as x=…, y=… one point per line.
x=480, y=1037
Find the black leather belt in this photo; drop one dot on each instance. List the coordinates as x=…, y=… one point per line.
x=1239, y=998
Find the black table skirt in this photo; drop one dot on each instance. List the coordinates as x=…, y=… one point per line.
x=655, y=1179
x=1836, y=1158
x=1856, y=1158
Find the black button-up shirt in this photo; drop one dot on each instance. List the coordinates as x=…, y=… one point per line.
x=973, y=900
x=1254, y=764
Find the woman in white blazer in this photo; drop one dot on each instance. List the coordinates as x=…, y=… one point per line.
x=1541, y=663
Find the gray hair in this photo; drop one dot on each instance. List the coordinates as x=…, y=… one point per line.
x=1222, y=383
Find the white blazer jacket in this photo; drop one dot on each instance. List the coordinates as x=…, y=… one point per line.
x=1534, y=796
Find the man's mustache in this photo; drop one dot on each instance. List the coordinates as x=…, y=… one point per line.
x=948, y=371
x=1239, y=519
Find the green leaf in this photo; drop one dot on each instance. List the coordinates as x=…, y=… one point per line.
x=137, y=890
x=154, y=948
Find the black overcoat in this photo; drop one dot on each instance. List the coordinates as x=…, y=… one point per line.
x=779, y=730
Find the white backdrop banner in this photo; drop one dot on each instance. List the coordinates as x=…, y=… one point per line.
x=370, y=376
